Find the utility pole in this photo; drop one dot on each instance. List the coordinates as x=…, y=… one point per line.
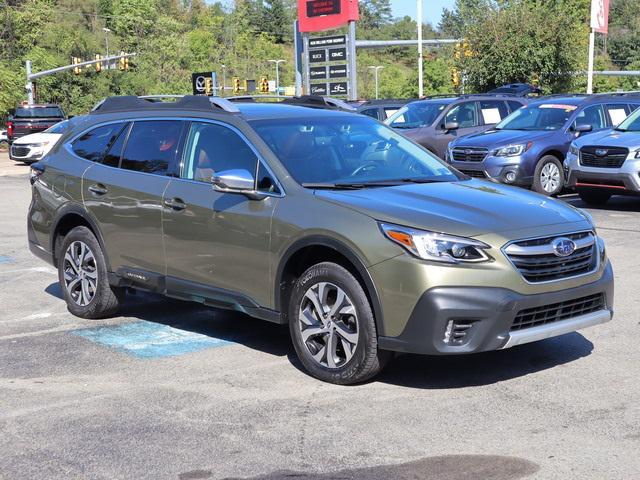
x=107, y=31
x=376, y=69
x=420, y=59
x=277, y=64
x=353, y=71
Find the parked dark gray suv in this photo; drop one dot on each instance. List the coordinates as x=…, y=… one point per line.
x=436, y=121
x=360, y=240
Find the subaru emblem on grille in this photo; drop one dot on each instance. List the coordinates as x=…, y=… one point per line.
x=601, y=152
x=467, y=152
x=563, y=247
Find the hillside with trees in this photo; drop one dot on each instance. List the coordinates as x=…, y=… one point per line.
x=510, y=40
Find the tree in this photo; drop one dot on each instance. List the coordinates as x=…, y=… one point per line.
x=375, y=14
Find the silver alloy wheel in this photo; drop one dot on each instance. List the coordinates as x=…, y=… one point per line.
x=80, y=273
x=550, y=177
x=328, y=325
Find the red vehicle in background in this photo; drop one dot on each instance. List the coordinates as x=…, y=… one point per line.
x=28, y=119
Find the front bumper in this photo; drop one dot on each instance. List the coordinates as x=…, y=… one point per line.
x=623, y=180
x=496, y=169
x=491, y=312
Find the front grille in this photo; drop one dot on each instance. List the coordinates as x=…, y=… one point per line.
x=537, y=262
x=556, y=312
x=603, y=157
x=469, y=154
x=17, y=151
x=474, y=173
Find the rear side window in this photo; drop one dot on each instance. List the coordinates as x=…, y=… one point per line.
x=112, y=158
x=212, y=148
x=371, y=112
x=152, y=146
x=493, y=111
x=513, y=106
x=93, y=144
x=617, y=113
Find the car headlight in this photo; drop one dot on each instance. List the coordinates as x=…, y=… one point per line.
x=513, y=150
x=573, y=150
x=436, y=247
x=38, y=145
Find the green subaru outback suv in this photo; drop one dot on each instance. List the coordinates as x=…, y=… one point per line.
x=360, y=240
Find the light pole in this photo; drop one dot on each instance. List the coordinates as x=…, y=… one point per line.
x=420, y=59
x=224, y=79
x=107, y=31
x=277, y=64
x=376, y=69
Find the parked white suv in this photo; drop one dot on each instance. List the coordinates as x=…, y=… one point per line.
x=606, y=163
x=31, y=148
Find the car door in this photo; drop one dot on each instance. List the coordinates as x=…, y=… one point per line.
x=465, y=114
x=124, y=194
x=217, y=244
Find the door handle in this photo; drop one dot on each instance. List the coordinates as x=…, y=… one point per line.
x=175, y=204
x=98, y=189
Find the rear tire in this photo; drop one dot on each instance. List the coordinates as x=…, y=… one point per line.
x=549, y=176
x=340, y=344
x=82, y=272
x=594, y=197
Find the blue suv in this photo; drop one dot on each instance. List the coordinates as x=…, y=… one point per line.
x=528, y=147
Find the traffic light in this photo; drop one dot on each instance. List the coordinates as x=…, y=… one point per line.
x=75, y=61
x=455, y=77
x=208, y=87
x=264, y=85
x=236, y=85
x=123, y=63
x=99, y=64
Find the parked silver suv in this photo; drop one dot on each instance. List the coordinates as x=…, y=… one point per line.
x=606, y=163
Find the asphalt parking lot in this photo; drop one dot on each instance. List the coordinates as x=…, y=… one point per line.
x=172, y=390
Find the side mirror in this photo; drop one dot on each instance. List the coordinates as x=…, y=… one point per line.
x=583, y=128
x=236, y=181
x=451, y=126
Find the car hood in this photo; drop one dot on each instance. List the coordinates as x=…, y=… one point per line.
x=467, y=208
x=38, y=138
x=611, y=138
x=499, y=138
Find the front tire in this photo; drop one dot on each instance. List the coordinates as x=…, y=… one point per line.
x=594, y=197
x=549, y=176
x=82, y=272
x=332, y=326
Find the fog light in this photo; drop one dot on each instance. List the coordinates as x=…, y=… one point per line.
x=510, y=177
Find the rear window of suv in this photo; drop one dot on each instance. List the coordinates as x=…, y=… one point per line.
x=93, y=144
x=39, y=112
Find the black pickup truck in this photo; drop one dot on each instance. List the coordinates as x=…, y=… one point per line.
x=28, y=119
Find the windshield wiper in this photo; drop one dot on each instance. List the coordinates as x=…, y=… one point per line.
x=350, y=186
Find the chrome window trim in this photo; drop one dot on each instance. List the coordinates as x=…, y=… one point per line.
x=591, y=272
x=69, y=149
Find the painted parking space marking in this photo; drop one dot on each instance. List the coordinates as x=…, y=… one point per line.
x=150, y=340
x=6, y=259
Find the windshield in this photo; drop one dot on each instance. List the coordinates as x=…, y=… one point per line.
x=34, y=112
x=348, y=150
x=59, y=127
x=546, y=116
x=632, y=123
x=416, y=115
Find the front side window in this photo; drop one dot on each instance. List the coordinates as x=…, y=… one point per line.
x=464, y=114
x=593, y=116
x=152, y=146
x=213, y=148
x=545, y=116
x=348, y=149
x=416, y=115
x=493, y=111
x=93, y=144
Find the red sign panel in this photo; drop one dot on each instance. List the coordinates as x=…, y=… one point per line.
x=600, y=15
x=319, y=15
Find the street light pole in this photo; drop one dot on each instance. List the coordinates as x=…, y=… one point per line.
x=224, y=79
x=376, y=69
x=107, y=31
x=420, y=59
x=277, y=64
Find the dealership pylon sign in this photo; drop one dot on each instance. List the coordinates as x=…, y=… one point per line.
x=600, y=16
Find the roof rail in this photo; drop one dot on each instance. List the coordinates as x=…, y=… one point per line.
x=149, y=102
x=311, y=101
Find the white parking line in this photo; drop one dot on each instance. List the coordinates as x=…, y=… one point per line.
x=32, y=269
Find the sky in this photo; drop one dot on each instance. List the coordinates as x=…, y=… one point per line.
x=432, y=9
